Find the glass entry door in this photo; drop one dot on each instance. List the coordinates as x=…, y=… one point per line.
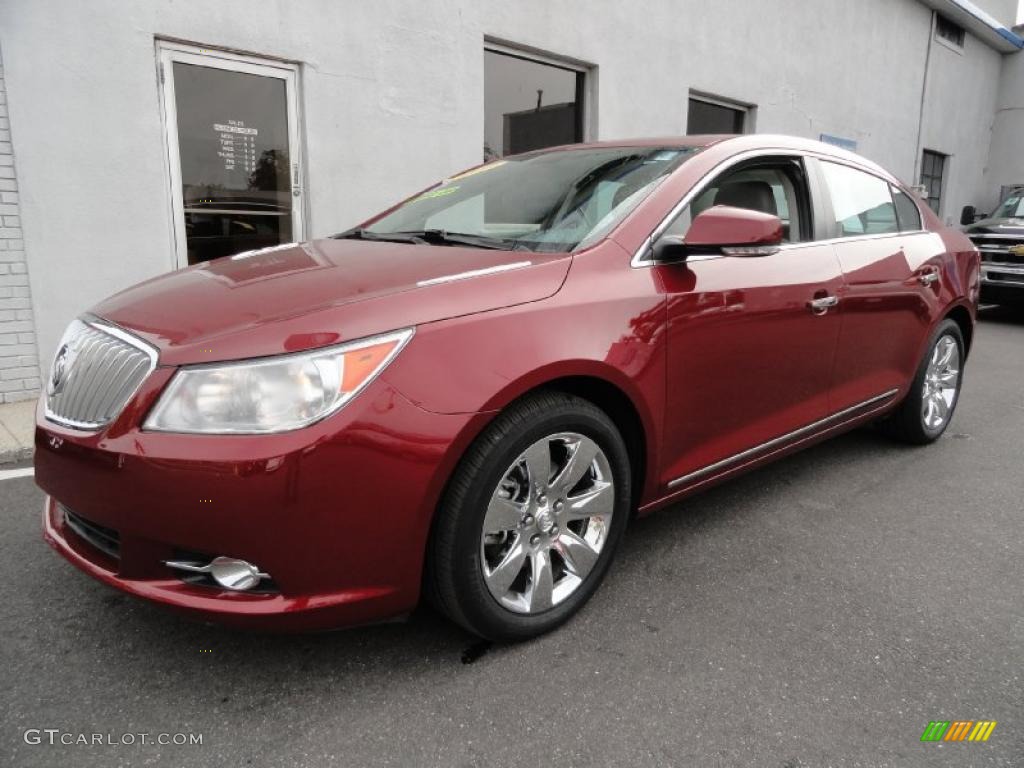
x=232, y=145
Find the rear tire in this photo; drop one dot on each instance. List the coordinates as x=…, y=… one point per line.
x=927, y=409
x=531, y=518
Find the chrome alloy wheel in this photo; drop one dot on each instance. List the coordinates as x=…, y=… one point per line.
x=941, y=383
x=547, y=522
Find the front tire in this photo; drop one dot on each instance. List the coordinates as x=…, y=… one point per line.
x=927, y=409
x=531, y=518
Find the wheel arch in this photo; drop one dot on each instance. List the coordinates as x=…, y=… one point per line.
x=962, y=316
x=621, y=410
x=606, y=388
x=631, y=418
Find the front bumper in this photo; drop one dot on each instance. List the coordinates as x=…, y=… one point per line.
x=1002, y=283
x=1001, y=269
x=338, y=514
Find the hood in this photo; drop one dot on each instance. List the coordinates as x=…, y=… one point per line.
x=996, y=227
x=301, y=296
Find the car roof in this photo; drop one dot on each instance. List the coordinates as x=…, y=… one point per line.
x=735, y=143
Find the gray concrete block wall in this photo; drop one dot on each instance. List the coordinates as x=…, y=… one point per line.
x=19, y=356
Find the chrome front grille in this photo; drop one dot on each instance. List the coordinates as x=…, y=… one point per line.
x=999, y=248
x=1002, y=257
x=97, y=369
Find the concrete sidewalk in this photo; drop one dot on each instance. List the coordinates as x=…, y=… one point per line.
x=17, y=426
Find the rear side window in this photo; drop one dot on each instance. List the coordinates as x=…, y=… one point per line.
x=862, y=203
x=907, y=213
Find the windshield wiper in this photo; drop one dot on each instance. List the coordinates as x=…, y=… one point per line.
x=430, y=237
x=444, y=237
x=359, y=233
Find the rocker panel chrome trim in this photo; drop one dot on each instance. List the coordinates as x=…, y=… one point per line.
x=832, y=420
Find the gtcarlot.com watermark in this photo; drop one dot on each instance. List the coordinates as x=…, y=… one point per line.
x=56, y=736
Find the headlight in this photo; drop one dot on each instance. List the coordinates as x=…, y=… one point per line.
x=273, y=394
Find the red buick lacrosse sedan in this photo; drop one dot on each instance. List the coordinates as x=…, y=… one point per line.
x=472, y=394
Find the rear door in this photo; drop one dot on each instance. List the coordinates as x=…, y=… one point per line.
x=890, y=272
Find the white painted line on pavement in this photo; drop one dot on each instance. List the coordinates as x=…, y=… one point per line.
x=10, y=474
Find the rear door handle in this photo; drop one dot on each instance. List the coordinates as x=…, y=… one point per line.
x=928, y=277
x=823, y=304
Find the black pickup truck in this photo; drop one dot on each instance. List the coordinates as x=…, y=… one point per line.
x=1000, y=238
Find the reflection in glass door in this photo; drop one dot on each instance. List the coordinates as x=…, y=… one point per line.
x=232, y=146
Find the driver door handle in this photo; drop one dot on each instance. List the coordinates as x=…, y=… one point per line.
x=823, y=304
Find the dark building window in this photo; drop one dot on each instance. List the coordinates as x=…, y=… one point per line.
x=706, y=116
x=933, y=170
x=950, y=30
x=529, y=104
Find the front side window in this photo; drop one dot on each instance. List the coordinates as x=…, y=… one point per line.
x=775, y=187
x=861, y=203
x=545, y=201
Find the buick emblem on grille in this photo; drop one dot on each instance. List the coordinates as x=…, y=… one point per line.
x=58, y=374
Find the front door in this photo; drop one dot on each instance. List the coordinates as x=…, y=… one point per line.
x=750, y=359
x=232, y=146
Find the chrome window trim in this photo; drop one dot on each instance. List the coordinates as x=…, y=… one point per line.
x=833, y=420
x=797, y=246
x=641, y=259
x=119, y=333
x=995, y=236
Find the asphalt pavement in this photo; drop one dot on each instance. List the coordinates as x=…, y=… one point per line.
x=817, y=612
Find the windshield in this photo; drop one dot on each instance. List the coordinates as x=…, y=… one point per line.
x=1012, y=207
x=546, y=201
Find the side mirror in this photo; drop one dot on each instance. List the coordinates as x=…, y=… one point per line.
x=669, y=248
x=967, y=215
x=724, y=230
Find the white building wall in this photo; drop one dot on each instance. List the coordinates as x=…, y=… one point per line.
x=1006, y=162
x=961, y=98
x=392, y=99
x=19, y=365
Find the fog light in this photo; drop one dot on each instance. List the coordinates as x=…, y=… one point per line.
x=234, y=574
x=229, y=572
